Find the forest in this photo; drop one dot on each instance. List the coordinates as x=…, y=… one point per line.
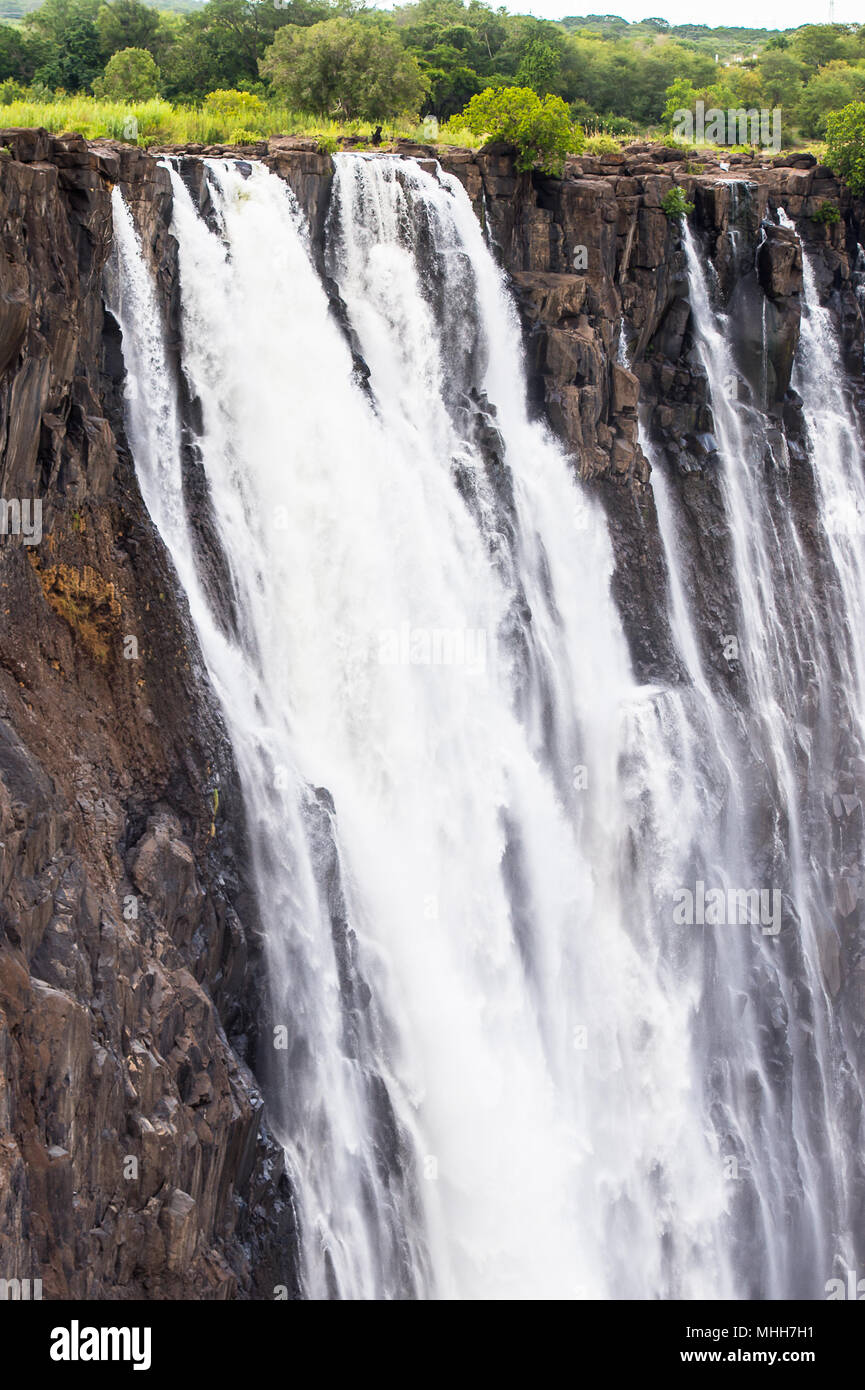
x=310, y=62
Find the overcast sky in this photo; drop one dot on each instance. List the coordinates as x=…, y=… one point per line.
x=756, y=14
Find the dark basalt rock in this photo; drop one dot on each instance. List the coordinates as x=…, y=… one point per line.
x=134, y=1156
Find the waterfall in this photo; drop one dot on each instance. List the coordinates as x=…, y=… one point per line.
x=738, y=1037
x=839, y=473
x=798, y=1062
x=858, y=276
x=501, y=1067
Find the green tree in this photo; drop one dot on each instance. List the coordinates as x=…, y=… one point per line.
x=221, y=44
x=541, y=130
x=835, y=86
x=189, y=66
x=781, y=75
x=817, y=44
x=681, y=95
x=130, y=75
x=305, y=12
x=652, y=71
x=472, y=33
x=845, y=144
x=54, y=18
x=450, y=86
x=68, y=43
x=126, y=24
x=540, y=67
x=21, y=54
x=675, y=204
x=344, y=68
x=456, y=46
x=523, y=33
x=77, y=62
x=629, y=79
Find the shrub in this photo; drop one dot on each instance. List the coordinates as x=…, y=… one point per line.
x=240, y=110
x=41, y=91
x=541, y=130
x=620, y=125
x=675, y=204
x=828, y=214
x=845, y=144
x=456, y=132
x=244, y=137
x=585, y=115
x=10, y=91
x=601, y=144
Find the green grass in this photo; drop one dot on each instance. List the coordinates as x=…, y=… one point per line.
x=161, y=123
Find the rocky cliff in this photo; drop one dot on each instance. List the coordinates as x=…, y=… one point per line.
x=135, y=1154
x=134, y=1159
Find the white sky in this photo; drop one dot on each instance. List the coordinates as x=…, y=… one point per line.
x=754, y=14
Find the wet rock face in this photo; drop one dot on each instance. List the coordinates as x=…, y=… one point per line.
x=592, y=255
x=774, y=337
x=135, y=1157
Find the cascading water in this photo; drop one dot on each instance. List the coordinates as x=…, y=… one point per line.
x=839, y=473
x=392, y=225
x=800, y=1068
x=506, y=1071
x=858, y=276
x=746, y=1016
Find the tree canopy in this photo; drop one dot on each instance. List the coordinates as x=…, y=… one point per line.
x=344, y=68
x=130, y=75
x=346, y=60
x=541, y=129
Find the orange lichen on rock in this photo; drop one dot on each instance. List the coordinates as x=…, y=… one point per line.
x=84, y=600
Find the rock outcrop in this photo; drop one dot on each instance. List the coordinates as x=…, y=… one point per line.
x=134, y=1157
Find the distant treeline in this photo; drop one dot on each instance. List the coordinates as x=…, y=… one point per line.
x=339, y=59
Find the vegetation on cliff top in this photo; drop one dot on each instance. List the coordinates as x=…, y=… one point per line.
x=845, y=144
x=542, y=130
x=431, y=57
x=160, y=122
x=326, y=67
